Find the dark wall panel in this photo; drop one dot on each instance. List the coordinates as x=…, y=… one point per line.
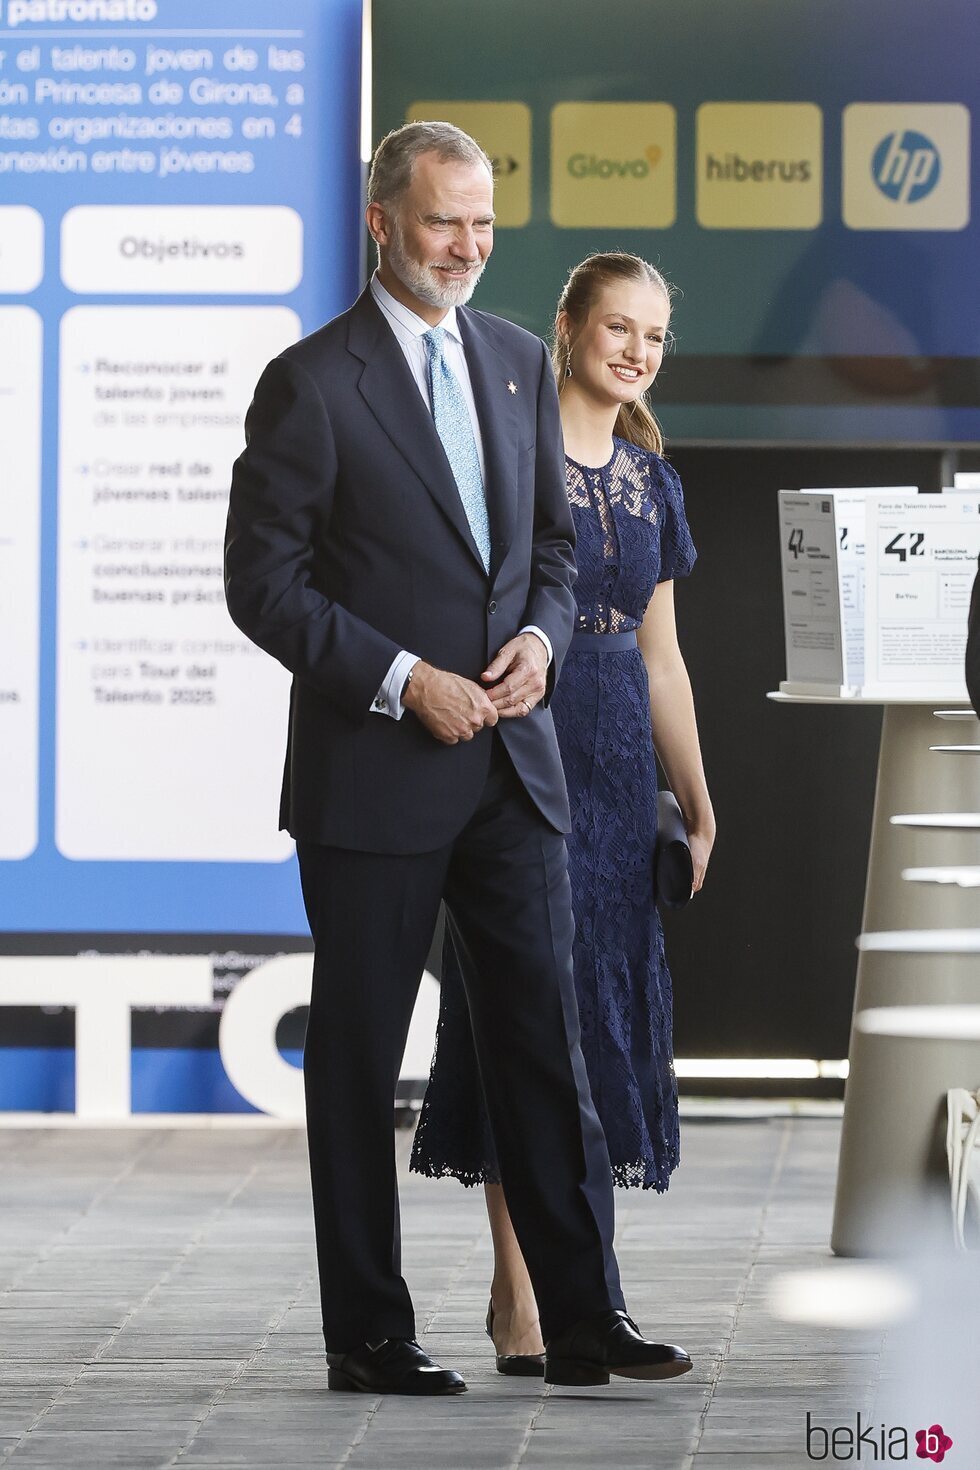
x=763, y=961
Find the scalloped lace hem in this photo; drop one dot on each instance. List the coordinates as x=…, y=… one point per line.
x=641, y=1174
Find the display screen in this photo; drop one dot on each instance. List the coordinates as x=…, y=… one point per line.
x=802, y=173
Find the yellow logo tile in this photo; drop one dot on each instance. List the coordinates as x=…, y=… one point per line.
x=760, y=166
x=613, y=165
x=906, y=166
x=503, y=131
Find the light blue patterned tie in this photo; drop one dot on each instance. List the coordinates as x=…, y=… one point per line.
x=455, y=428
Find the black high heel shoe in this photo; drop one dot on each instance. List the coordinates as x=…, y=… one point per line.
x=516, y=1365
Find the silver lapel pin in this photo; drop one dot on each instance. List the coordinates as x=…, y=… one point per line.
x=511, y=387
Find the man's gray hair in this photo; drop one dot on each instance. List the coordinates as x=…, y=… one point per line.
x=394, y=158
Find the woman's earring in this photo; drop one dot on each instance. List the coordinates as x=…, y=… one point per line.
x=568, y=364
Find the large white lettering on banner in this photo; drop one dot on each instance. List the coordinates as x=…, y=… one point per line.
x=104, y=990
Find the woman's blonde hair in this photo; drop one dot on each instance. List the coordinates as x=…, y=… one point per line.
x=635, y=421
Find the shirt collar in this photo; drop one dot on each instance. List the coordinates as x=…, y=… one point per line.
x=404, y=322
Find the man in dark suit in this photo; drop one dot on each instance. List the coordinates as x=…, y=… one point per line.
x=399, y=538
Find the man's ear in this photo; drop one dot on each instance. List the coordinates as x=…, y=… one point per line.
x=377, y=223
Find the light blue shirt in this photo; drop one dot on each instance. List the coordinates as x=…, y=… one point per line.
x=409, y=329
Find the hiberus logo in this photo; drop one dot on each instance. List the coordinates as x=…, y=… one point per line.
x=79, y=12
x=760, y=166
x=732, y=168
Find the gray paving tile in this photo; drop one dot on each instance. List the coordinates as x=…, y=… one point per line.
x=81, y=1450
x=158, y=1303
x=637, y=1456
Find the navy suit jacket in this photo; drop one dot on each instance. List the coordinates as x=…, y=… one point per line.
x=347, y=542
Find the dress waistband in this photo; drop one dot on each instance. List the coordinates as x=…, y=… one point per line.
x=604, y=642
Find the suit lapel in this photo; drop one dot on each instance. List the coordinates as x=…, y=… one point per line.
x=496, y=408
x=388, y=388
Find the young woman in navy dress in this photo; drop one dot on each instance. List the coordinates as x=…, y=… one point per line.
x=623, y=694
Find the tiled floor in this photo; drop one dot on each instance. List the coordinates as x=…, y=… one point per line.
x=158, y=1309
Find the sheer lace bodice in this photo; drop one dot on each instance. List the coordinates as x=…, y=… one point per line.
x=631, y=533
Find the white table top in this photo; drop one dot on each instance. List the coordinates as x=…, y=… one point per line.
x=932, y=1023
x=921, y=941
x=945, y=821
x=962, y=877
x=778, y=697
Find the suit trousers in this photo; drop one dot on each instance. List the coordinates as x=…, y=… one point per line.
x=372, y=916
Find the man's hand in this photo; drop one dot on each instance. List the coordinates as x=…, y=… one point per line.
x=450, y=707
x=522, y=668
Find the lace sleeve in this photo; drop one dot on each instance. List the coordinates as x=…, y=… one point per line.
x=677, y=552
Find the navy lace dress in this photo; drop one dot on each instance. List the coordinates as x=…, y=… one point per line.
x=631, y=534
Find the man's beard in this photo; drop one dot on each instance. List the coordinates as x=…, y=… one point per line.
x=432, y=286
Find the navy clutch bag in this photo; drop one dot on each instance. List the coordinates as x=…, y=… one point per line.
x=673, y=868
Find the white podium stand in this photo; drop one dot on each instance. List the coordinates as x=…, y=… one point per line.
x=911, y=778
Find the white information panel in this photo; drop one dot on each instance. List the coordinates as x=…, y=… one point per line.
x=170, y=723
x=850, y=514
x=216, y=250
x=21, y=249
x=811, y=594
x=20, y=522
x=922, y=560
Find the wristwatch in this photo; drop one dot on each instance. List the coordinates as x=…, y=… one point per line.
x=408, y=680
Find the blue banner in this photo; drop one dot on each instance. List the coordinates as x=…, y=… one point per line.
x=179, y=199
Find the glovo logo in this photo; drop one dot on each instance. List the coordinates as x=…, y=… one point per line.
x=594, y=166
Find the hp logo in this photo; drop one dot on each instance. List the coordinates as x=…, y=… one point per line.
x=906, y=166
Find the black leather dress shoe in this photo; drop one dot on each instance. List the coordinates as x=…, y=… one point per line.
x=611, y=1343
x=394, y=1365
x=516, y=1365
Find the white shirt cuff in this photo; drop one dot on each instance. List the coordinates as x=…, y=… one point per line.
x=533, y=628
x=388, y=700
